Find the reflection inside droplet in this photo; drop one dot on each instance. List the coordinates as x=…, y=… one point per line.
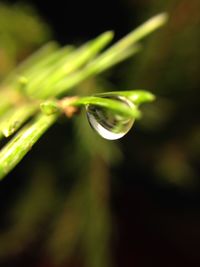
x=108, y=124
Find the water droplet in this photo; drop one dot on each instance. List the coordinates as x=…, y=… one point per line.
x=108, y=124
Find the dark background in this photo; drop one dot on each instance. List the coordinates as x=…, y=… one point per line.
x=155, y=190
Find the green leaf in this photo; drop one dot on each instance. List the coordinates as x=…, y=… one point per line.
x=14, y=119
x=114, y=105
x=21, y=144
x=49, y=107
x=117, y=53
x=32, y=60
x=136, y=96
x=67, y=65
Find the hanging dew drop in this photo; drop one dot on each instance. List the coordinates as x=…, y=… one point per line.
x=108, y=124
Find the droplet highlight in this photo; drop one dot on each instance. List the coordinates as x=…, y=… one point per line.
x=108, y=124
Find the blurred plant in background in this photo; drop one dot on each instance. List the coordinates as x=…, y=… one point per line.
x=170, y=66
x=21, y=32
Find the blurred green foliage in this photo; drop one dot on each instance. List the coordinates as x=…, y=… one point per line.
x=21, y=32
